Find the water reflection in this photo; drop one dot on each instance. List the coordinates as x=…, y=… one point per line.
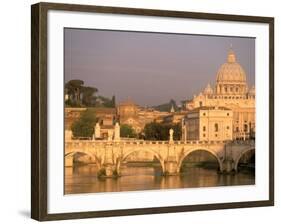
x=83, y=179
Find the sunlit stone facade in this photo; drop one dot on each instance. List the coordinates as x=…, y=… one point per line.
x=231, y=91
x=208, y=124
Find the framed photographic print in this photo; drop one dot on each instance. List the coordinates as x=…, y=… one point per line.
x=140, y=111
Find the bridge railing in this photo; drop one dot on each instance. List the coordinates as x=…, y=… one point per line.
x=244, y=142
x=144, y=142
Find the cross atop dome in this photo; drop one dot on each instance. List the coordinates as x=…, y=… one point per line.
x=231, y=58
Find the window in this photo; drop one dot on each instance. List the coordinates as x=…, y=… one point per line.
x=216, y=127
x=236, y=89
x=227, y=114
x=227, y=127
x=204, y=114
x=245, y=128
x=204, y=128
x=204, y=135
x=237, y=129
x=200, y=103
x=225, y=89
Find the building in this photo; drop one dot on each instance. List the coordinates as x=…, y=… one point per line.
x=148, y=115
x=175, y=117
x=137, y=117
x=231, y=91
x=208, y=124
x=128, y=114
x=72, y=114
x=105, y=117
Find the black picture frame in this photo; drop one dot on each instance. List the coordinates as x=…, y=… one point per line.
x=39, y=149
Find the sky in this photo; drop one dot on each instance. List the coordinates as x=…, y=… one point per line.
x=151, y=68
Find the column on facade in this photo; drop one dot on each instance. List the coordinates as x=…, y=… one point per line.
x=222, y=89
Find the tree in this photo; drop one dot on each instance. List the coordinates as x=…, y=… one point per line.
x=80, y=95
x=106, y=102
x=113, y=101
x=177, y=131
x=73, y=89
x=160, y=131
x=88, y=96
x=126, y=131
x=152, y=131
x=84, y=127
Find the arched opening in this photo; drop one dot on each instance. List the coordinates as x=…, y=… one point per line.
x=246, y=161
x=200, y=160
x=81, y=158
x=140, y=163
x=81, y=175
x=199, y=168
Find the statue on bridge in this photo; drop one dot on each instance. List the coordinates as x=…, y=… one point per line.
x=171, y=132
x=97, y=131
x=117, y=132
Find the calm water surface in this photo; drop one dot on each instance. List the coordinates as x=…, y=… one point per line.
x=83, y=179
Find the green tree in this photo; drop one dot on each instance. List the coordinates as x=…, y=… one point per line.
x=80, y=95
x=106, y=102
x=73, y=89
x=113, y=101
x=88, y=94
x=160, y=132
x=84, y=127
x=152, y=131
x=177, y=131
x=126, y=131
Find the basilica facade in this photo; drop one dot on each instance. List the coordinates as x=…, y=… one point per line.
x=231, y=92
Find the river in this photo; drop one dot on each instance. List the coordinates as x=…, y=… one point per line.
x=83, y=178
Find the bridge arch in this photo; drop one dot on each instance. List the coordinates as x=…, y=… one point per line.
x=85, y=152
x=187, y=153
x=131, y=151
x=240, y=156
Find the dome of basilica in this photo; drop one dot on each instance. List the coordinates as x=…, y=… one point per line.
x=231, y=71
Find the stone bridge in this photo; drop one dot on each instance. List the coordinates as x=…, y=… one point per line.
x=110, y=154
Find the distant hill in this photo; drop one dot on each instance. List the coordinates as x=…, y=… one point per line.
x=167, y=106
